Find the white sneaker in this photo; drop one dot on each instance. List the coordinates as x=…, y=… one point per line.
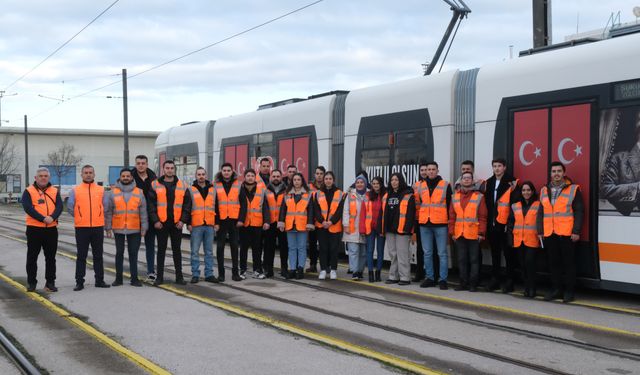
x=243, y=275
x=333, y=275
x=259, y=275
x=151, y=277
x=323, y=275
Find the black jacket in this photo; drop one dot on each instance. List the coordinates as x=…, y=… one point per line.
x=283, y=208
x=227, y=187
x=145, y=185
x=337, y=216
x=27, y=205
x=492, y=207
x=250, y=195
x=392, y=212
x=152, y=202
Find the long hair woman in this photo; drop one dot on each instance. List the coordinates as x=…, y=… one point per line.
x=328, y=205
x=375, y=238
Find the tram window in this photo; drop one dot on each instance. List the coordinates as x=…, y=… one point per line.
x=265, y=138
x=267, y=149
x=375, y=141
x=410, y=147
x=375, y=157
x=411, y=138
x=186, y=167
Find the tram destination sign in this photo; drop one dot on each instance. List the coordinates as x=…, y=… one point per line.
x=629, y=90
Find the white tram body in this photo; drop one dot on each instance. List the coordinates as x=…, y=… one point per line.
x=579, y=104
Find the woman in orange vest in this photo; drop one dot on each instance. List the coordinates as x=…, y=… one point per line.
x=522, y=234
x=356, y=226
x=125, y=215
x=398, y=218
x=375, y=238
x=467, y=227
x=296, y=218
x=256, y=220
x=327, y=208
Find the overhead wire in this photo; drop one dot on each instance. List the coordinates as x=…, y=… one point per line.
x=61, y=46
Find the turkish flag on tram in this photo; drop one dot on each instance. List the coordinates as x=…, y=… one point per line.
x=570, y=137
x=530, y=146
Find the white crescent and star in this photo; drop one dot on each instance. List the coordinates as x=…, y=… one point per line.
x=537, y=152
x=577, y=150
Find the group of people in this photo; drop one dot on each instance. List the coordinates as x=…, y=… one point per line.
x=268, y=210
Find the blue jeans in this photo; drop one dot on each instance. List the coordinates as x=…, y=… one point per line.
x=297, y=249
x=440, y=233
x=357, y=256
x=202, y=234
x=375, y=240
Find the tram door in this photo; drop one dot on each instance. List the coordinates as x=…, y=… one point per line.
x=558, y=133
x=294, y=151
x=238, y=156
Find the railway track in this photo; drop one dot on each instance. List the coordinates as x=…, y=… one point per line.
x=22, y=363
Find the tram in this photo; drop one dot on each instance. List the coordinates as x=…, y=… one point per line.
x=576, y=102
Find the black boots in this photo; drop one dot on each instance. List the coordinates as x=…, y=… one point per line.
x=291, y=274
x=377, y=275
x=372, y=278
x=300, y=274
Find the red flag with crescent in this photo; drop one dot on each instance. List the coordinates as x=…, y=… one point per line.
x=570, y=139
x=530, y=146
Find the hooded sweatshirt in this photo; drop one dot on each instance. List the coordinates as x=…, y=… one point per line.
x=354, y=237
x=111, y=206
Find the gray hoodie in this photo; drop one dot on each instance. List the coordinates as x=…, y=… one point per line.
x=110, y=208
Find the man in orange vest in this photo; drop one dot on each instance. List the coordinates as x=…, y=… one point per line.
x=143, y=177
x=86, y=204
x=502, y=190
x=125, y=215
x=275, y=195
x=42, y=204
x=265, y=172
x=420, y=274
x=203, y=218
x=560, y=222
x=467, y=227
x=170, y=209
x=231, y=205
x=433, y=199
x=256, y=221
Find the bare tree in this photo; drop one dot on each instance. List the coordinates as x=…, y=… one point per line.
x=8, y=156
x=61, y=159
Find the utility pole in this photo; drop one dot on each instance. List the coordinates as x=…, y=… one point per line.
x=126, y=118
x=26, y=152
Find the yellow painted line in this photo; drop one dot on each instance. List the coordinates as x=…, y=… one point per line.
x=112, y=344
x=344, y=345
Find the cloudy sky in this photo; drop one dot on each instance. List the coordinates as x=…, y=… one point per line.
x=329, y=46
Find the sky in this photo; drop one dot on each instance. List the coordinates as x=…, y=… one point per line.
x=332, y=45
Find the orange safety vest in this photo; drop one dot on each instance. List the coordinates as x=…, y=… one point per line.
x=404, y=205
x=254, y=209
x=353, y=212
x=88, y=210
x=161, y=194
x=327, y=211
x=525, y=229
x=467, y=221
x=558, y=218
x=296, y=212
x=126, y=215
x=274, y=205
x=503, y=205
x=203, y=211
x=228, y=205
x=39, y=201
x=432, y=207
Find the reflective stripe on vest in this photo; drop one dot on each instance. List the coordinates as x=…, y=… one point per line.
x=203, y=210
x=126, y=215
x=558, y=218
x=274, y=205
x=228, y=205
x=433, y=206
x=254, y=208
x=404, y=205
x=296, y=218
x=503, y=205
x=88, y=210
x=161, y=204
x=525, y=229
x=44, y=202
x=327, y=212
x=467, y=223
x=353, y=213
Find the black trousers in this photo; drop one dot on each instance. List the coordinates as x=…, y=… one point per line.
x=420, y=255
x=227, y=227
x=150, y=248
x=272, y=239
x=169, y=231
x=527, y=258
x=93, y=236
x=313, y=248
x=468, y=261
x=498, y=242
x=133, y=245
x=251, y=236
x=46, y=239
x=562, y=262
x=329, y=247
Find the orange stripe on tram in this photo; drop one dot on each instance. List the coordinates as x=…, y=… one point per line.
x=619, y=253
